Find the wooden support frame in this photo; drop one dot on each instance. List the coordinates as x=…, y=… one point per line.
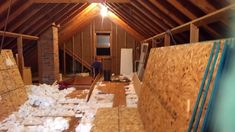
x=16, y=35
x=167, y=40
x=64, y=61
x=80, y=1
x=209, y=18
x=73, y=55
x=194, y=33
x=20, y=54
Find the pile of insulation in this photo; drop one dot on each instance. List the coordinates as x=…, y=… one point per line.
x=48, y=109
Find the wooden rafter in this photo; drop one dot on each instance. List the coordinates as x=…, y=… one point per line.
x=140, y=23
x=209, y=18
x=20, y=22
x=155, y=11
x=145, y=19
x=78, y=22
x=17, y=12
x=126, y=20
x=16, y=35
x=190, y=15
x=126, y=27
x=80, y=1
x=148, y=14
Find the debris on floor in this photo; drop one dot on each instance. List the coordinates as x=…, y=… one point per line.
x=49, y=109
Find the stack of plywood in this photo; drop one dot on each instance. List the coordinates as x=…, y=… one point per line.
x=119, y=119
x=170, y=86
x=12, y=91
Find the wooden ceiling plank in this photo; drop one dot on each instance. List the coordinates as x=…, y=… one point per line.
x=73, y=14
x=207, y=8
x=57, y=21
x=190, y=15
x=163, y=17
x=16, y=35
x=38, y=18
x=209, y=18
x=25, y=18
x=5, y=5
x=17, y=12
x=146, y=20
x=167, y=12
x=69, y=12
x=140, y=22
x=133, y=25
x=45, y=22
x=115, y=19
x=34, y=21
x=79, y=21
x=150, y=16
x=80, y=1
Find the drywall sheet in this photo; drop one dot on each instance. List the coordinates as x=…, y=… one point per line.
x=12, y=91
x=126, y=61
x=170, y=85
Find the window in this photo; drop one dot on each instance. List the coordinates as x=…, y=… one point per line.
x=103, y=44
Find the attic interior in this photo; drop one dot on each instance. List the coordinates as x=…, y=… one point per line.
x=117, y=65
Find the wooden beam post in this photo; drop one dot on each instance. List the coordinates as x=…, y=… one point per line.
x=20, y=54
x=194, y=33
x=73, y=54
x=167, y=40
x=64, y=54
x=82, y=49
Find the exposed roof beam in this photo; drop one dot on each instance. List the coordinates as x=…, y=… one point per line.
x=80, y=1
x=17, y=12
x=148, y=14
x=5, y=5
x=17, y=24
x=126, y=20
x=162, y=16
x=78, y=22
x=16, y=35
x=133, y=18
x=209, y=18
x=115, y=19
x=190, y=15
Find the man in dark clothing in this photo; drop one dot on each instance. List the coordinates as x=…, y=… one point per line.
x=97, y=66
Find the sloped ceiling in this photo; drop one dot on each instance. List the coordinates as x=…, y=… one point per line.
x=146, y=17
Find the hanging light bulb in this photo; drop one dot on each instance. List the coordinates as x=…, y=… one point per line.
x=103, y=11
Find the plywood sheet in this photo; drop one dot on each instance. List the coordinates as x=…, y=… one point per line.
x=3, y=87
x=172, y=78
x=119, y=119
x=12, y=90
x=6, y=106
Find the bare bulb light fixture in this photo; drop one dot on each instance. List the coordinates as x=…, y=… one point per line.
x=103, y=11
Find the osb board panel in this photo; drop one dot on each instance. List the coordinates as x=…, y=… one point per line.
x=137, y=84
x=6, y=106
x=172, y=77
x=12, y=88
x=120, y=119
x=4, y=57
x=18, y=97
x=3, y=87
x=118, y=90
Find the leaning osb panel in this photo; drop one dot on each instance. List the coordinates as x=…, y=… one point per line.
x=11, y=85
x=3, y=88
x=15, y=75
x=6, y=106
x=172, y=79
x=18, y=97
x=7, y=79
